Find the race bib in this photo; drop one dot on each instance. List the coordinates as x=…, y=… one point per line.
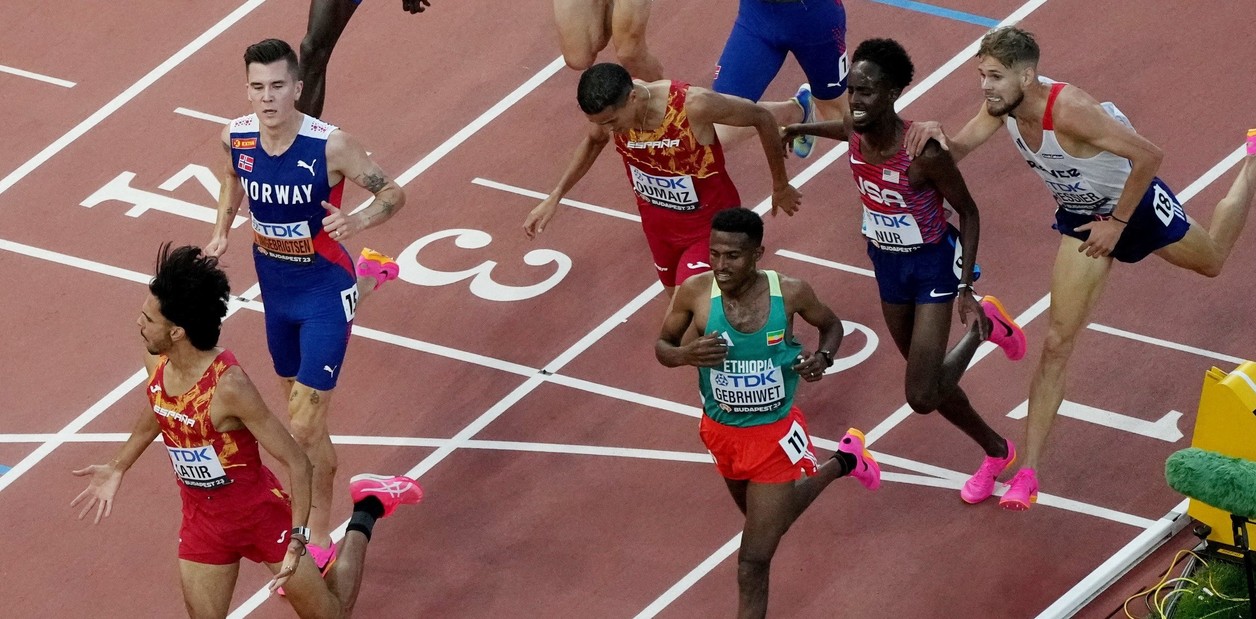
x=795, y=443
x=290, y=242
x=349, y=299
x=1165, y=206
x=898, y=230
x=198, y=467
x=748, y=386
x=671, y=192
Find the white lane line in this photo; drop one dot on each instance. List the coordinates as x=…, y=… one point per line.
x=201, y=115
x=692, y=578
x=602, y=210
x=130, y=93
x=479, y=123
x=1212, y=174
x=785, y=253
x=1119, y=564
x=1138, y=337
x=946, y=478
x=37, y=76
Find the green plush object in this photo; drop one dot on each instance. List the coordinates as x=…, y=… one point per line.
x=1229, y=484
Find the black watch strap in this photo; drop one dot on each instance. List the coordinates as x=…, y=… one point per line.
x=828, y=357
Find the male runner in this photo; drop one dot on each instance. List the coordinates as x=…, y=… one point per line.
x=748, y=368
x=292, y=167
x=212, y=420
x=586, y=26
x=665, y=132
x=327, y=21
x=763, y=33
x=1110, y=205
x=921, y=266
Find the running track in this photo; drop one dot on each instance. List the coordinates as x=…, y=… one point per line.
x=583, y=490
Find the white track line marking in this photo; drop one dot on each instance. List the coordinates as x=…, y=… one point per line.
x=1164, y=343
x=474, y=126
x=37, y=76
x=483, y=182
x=130, y=93
x=1119, y=563
x=201, y=115
x=785, y=253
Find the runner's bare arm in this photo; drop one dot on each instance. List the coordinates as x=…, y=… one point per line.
x=937, y=167
x=236, y=397
x=831, y=129
x=586, y=153
x=346, y=157
x=974, y=134
x=705, y=351
x=1081, y=118
x=106, y=478
x=230, y=195
x=707, y=108
x=801, y=299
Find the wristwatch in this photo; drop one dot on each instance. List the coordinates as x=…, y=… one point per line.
x=828, y=357
x=300, y=532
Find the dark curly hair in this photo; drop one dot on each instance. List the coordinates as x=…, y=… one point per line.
x=893, y=60
x=192, y=292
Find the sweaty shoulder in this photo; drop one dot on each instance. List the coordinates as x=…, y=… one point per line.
x=1076, y=111
x=233, y=389
x=794, y=289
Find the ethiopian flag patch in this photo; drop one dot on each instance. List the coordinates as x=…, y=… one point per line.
x=776, y=337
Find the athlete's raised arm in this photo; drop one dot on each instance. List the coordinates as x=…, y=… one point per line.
x=708, y=108
x=347, y=158
x=974, y=134
x=586, y=153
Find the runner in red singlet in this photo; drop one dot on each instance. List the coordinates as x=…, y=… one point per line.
x=665, y=132
x=212, y=419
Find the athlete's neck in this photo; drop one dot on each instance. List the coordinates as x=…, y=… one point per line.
x=188, y=362
x=650, y=115
x=884, y=138
x=1033, y=104
x=277, y=139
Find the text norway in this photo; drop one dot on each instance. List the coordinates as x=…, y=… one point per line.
x=278, y=194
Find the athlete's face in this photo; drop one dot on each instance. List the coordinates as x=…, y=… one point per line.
x=1003, y=87
x=273, y=91
x=154, y=328
x=620, y=118
x=734, y=259
x=871, y=98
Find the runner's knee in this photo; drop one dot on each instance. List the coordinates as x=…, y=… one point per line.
x=753, y=571
x=631, y=52
x=1058, y=345
x=923, y=400
x=579, y=59
x=315, y=53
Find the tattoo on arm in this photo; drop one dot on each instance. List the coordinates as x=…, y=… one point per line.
x=373, y=182
x=314, y=397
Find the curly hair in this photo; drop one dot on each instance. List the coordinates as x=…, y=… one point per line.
x=893, y=60
x=192, y=293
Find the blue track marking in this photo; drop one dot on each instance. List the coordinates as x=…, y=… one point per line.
x=938, y=11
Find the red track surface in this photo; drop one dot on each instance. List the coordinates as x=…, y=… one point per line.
x=506, y=532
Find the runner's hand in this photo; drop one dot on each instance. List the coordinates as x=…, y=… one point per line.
x=296, y=548
x=105, y=479
x=919, y=134
x=811, y=367
x=540, y=217
x=415, y=6
x=216, y=247
x=706, y=351
x=1104, y=233
x=969, y=306
x=788, y=133
x=786, y=200
x=337, y=226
